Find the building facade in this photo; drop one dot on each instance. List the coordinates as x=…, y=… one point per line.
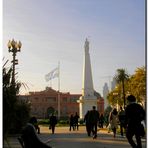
x=105, y=93
x=44, y=103
x=113, y=84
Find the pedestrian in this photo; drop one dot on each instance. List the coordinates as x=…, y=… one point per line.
x=101, y=121
x=134, y=114
x=76, y=121
x=121, y=117
x=87, y=123
x=106, y=122
x=94, y=119
x=30, y=137
x=53, y=122
x=36, y=125
x=113, y=118
x=108, y=126
x=71, y=123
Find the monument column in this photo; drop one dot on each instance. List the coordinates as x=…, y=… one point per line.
x=88, y=99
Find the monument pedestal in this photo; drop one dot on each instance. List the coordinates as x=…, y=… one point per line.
x=86, y=104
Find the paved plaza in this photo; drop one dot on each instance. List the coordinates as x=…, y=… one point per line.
x=63, y=138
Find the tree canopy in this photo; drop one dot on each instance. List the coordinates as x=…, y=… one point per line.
x=121, y=78
x=134, y=84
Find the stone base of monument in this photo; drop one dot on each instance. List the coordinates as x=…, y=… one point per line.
x=86, y=104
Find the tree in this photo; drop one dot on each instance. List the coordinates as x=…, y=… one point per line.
x=111, y=99
x=9, y=100
x=121, y=77
x=137, y=84
x=15, y=112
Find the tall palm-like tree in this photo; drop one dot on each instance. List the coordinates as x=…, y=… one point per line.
x=121, y=76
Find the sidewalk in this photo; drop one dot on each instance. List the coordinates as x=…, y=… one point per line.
x=63, y=138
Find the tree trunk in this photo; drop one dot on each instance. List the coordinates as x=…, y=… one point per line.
x=123, y=93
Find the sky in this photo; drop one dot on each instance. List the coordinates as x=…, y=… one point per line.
x=53, y=31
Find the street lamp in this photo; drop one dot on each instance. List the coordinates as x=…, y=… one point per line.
x=116, y=95
x=14, y=47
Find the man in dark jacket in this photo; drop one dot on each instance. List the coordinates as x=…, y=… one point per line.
x=53, y=122
x=30, y=137
x=76, y=121
x=93, y=119
x=134, y=115
x=87, y=122
x=121, y=116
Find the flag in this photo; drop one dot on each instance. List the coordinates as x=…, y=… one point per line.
x=53, y=74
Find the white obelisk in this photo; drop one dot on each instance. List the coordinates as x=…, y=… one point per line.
x=88, y=99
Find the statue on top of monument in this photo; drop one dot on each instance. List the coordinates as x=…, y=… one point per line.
x=86, y=46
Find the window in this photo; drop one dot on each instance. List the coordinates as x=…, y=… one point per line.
x=65, y=99
x=51, y=99
x=36, y=98
x=74, y=99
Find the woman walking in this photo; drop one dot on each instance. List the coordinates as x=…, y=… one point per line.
x=113, y=118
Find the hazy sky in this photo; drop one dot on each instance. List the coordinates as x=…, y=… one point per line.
x=55, y=30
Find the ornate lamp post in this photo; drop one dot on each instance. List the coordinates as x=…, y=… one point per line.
x=14, y=47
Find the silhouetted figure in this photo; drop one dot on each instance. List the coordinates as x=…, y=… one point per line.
x=101, y=121
x=88, y=125
x=134, y=115
x=71, y=122
x=106, y=120
x=30, y=137
x=107, y=124
x=36, y=126
x=113, y=118
x=121, y=116
x=93, y=119
x=53, y=122
x=76, y=119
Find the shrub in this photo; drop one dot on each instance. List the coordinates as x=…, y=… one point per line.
x=43, y=121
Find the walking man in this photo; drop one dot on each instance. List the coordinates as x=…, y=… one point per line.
x=53, y=122
x=76, y=121
x=94, y=118
x=71, y=123
x=87, y=122
x=121, y=116
x=134, y=115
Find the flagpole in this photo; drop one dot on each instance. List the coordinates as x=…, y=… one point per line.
x=53, y=74
x=59, y=90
